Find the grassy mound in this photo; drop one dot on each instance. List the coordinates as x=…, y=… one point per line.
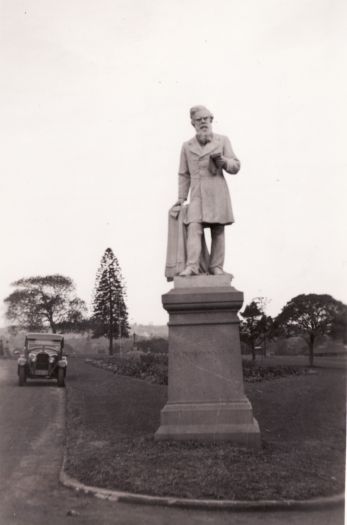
x=111, y=420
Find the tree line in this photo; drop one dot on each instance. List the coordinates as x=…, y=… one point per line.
x=306, y=315
x=50, y=303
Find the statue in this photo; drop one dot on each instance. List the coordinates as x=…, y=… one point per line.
x=206, y=398
x=203, y=159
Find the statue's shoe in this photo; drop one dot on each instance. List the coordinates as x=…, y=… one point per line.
x=187, y=272
x=216, y=271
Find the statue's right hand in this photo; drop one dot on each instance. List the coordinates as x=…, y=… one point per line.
x=176, y=208
x=178, y=203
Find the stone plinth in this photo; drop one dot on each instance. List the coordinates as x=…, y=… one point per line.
x=206, y=399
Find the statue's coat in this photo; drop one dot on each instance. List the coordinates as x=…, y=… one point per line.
x=209, y=195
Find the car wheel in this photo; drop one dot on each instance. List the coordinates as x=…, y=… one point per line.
x=61, y=377
x=22, y=377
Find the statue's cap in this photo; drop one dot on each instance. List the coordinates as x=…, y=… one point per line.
x=195, y=109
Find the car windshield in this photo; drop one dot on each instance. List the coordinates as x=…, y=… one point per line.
x=49, y=345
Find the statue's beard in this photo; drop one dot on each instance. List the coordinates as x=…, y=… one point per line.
x=204, y=135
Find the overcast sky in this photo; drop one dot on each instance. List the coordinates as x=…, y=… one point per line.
x=95, y=98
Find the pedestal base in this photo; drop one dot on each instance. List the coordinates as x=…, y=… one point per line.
x=232, y=421
x=206, y=399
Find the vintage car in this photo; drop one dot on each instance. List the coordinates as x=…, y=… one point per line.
x=42, y=358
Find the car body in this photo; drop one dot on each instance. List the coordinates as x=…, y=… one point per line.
x=42, y=358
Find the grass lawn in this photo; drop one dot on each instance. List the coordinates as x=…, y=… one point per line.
x=111, y=420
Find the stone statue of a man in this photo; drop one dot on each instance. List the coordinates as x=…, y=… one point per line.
x=203, y=159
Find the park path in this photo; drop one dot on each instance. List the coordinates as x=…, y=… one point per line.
x=31, y=452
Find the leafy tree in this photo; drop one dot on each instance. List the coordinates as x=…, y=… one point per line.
x=267, y=330
x=256, y=327
x=41, y=302
x=310, y=315
x=110, y=314
x=249, y=326
x=339, y=326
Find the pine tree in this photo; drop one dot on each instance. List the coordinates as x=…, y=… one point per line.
x=110, y=314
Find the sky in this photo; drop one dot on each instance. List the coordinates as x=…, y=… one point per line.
x=95, y=99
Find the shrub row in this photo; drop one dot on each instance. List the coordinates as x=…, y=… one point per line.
x=253, y=372
x=154, y=368
x=155, y=345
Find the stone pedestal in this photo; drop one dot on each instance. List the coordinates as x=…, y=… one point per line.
x=206, y=399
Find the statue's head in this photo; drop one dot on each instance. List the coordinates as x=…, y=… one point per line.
x=201, y=119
